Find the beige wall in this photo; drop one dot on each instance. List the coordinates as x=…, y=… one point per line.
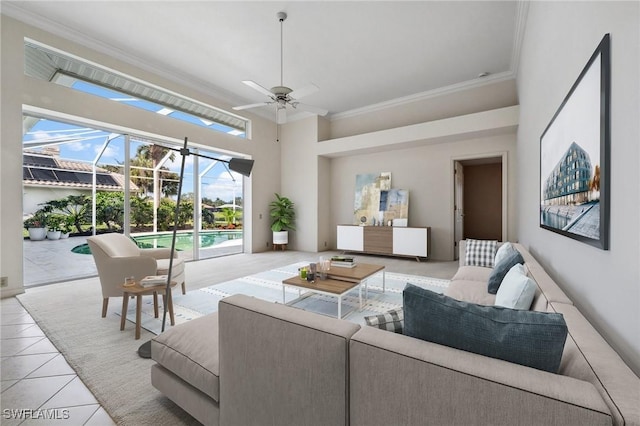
x=427, y=172
x=19, y=90
x=559, y=39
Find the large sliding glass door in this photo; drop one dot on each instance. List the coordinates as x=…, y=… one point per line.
x=101, y=181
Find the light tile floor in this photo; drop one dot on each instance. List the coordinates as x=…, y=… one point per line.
x=38, y=386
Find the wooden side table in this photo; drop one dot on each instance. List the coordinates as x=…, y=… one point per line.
x=139, y=291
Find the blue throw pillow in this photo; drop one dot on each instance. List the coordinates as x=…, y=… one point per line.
x=530, y=338
x=500, y=270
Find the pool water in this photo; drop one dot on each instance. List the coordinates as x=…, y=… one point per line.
x=184, y=240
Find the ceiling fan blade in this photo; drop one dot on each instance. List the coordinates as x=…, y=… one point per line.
x=259, y=104
x=259, y=88
x=304, y=91
x=312, y=109
x=281, y=115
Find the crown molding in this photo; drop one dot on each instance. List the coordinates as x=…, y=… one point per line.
x=458, y=87
x=522, y=12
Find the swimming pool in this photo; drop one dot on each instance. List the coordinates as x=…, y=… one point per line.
x=184, y=240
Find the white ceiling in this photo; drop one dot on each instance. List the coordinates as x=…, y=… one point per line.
x=360, y=53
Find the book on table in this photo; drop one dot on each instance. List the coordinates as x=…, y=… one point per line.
x=338, y=264
x=153, y=280
x=342, y=259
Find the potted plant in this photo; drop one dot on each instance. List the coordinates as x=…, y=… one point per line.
x=66, y=226
x=35, y=225
x=282, y=219
x=54, y=222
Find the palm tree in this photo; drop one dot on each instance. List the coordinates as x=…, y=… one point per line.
x=147, y=158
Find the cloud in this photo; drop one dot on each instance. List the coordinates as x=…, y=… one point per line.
x=77, y=146
x=110, y=153
x=221, y=189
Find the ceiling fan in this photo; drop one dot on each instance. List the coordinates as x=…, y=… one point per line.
x=281, y=95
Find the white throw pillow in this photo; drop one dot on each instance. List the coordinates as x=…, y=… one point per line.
x=517, y=289
x=502, y=252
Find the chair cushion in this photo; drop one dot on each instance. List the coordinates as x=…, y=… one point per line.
x=480, y=253
x=501, y=269
x=533, y=339
x=177, y=268
x=116, y=245
x=190, y=351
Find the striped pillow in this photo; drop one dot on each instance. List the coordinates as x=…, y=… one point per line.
x=480, y=253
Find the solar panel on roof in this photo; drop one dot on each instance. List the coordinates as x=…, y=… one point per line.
x=38, y=161
x=84, y=177
x=106, y=180
x=65, y=176
x=26, y=174
x=44, y=174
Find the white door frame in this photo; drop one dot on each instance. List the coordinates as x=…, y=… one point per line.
x=505, y=186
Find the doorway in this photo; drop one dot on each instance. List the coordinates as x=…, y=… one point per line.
x=479, y=199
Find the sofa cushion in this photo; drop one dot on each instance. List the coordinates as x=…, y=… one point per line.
x=473, y=273
x=517, y=290
x=480, y=252
x=503, y=251
x=501, y=269
x=470, y=291
x=190, y=351
x=533, y=339
x=392, y=320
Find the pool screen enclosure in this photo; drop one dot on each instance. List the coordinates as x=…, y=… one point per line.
x=240, y=165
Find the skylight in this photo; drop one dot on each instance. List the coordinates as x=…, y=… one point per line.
x=51, y=65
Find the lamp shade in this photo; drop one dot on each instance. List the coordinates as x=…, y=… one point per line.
x=241, y=166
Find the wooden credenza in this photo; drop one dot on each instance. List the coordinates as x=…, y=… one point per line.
x=385, y=240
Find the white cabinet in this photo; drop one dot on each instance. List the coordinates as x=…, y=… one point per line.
x=350, y=238
x=410, y=242
x=393, y=241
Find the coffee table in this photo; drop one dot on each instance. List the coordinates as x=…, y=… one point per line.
x=139, y=291
x=359, y=273
x=339, y=282
x=329, y=287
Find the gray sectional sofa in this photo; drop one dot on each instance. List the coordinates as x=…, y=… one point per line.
x=260, y=363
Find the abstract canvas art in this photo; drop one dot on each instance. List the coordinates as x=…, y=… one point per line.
x=367, y=197
x=394, y=205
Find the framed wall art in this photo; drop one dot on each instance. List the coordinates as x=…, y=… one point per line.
x=574, y=157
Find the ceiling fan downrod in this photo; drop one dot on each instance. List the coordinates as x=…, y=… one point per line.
x=281, y=17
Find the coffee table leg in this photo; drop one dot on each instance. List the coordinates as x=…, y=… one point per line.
x=138, y=315
x=283, y=298
x=384, y=282
x=339, y=306
x=360, y=294
x=125, y=306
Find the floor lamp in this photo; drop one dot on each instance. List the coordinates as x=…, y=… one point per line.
x=240, y=165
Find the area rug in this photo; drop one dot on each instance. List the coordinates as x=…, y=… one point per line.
x=268, y=286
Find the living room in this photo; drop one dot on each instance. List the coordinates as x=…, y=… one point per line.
x=316, y=159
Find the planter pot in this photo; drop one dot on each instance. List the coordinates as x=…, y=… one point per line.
x=37, y=234
x=64, y=235
x=53, y=235
x=281, y=237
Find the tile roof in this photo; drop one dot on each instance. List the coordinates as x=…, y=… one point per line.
x=40, y=169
